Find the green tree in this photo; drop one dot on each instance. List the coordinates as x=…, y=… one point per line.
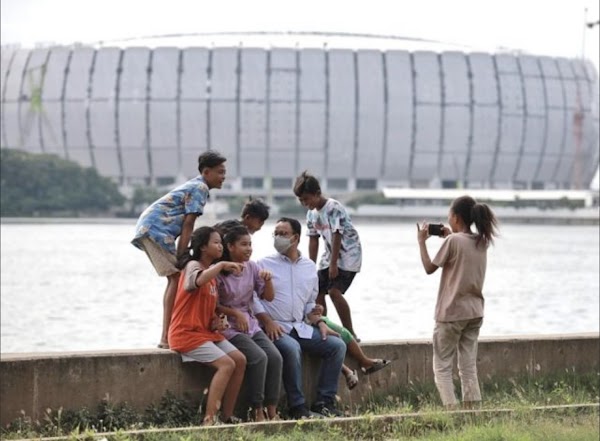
x=46, y=185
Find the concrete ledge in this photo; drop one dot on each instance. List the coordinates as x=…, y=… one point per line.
x=34, y=382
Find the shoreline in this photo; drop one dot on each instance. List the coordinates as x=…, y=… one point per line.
x=369, y=214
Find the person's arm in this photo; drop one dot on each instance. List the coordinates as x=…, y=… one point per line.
x=186, y=233
x=315, y=319
x=336, y=245
x=271, y=327
x=312, y=299
x=210, y=273
x=269, y=292
x=422, y=236
x=313, y=248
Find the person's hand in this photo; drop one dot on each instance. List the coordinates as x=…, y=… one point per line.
x=333, y=271
x=241, y=321
x=313, y=317
x=446, y=231
x=273, y=330
x=318, y=309
x=266, y=275
x=232, y=267
x=422, y=232
x=326, y=330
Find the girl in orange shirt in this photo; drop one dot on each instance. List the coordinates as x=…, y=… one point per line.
x=194, y=330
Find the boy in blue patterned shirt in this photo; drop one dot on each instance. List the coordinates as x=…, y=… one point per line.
x=342, y=256
x=171, y=217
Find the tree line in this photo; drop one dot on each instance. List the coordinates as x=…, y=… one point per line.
x=46, y=185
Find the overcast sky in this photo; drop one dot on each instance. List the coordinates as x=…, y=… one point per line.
x=542, y=27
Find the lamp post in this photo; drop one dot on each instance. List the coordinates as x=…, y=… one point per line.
x=586, y=25
x=579, y=115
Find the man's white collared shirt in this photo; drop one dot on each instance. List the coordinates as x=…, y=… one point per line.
x=296, y=286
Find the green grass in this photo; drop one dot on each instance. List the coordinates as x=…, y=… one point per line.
x=427, y=420
x=443, y=427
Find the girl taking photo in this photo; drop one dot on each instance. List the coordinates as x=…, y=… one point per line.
x=459, y=307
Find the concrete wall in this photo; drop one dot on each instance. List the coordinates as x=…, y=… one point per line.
x=35, y=382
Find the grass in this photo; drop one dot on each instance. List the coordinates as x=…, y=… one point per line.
x=411, y=412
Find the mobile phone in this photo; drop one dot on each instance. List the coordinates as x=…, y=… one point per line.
x=436, y=229
x=224, y=321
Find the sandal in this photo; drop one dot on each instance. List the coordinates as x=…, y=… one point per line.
x=163, y=346
x=377, y=365
x=352, y=380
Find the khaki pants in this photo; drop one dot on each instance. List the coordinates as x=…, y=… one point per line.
x=448, y=337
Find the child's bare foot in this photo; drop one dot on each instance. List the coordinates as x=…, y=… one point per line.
x=210, y=420
x=259, y=414
x=272, y=413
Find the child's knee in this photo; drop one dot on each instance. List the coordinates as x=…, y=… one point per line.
x=238, y=358
x=225, y=364
x=336, y=294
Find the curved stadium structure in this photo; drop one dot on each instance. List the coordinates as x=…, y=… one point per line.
x=358, y=119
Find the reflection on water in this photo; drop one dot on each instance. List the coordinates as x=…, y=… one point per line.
x=84, y=287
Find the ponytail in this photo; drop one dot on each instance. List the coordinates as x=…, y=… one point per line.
x=485, y=222
x=473, y=212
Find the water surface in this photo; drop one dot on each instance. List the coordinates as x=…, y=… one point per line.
x=70, y=287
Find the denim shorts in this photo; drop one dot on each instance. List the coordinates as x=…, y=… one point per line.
x=341, y=282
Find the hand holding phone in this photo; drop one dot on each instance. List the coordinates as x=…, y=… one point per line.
x=436, y=229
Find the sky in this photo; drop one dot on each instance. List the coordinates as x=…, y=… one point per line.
x=540, y=27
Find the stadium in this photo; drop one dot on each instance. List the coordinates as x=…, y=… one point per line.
x=359, y=119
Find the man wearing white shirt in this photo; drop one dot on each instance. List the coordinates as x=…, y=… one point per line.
x=284, y=319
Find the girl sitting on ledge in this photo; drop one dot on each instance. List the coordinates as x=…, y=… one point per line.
x=195, y=327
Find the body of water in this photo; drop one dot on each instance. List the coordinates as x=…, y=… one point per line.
x=72, y=287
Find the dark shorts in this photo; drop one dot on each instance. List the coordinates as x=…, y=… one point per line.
x=341, y=282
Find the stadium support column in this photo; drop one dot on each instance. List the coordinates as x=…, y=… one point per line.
x=88, y=112
x=63, y=96
x=4, y=87
x=117, y=132
x=180, y=177
x=269, y=173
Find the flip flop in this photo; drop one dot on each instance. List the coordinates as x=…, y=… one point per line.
x=352, y=380
x=163, y=346
x=377, y=365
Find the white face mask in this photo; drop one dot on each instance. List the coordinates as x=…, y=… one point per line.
x=282, y=244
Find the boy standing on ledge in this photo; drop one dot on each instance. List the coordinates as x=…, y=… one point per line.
x=172, y=217
x=342, y=257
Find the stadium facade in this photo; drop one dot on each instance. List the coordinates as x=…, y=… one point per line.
x=358, y=119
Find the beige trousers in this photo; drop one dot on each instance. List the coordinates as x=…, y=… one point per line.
x=448, y=338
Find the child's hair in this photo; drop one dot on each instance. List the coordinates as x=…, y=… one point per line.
x=210, y=159
x=256, y=208
x=200, y=238
x=306, y=183
x=231, y=236
x=296, y=227
x=473, y=212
